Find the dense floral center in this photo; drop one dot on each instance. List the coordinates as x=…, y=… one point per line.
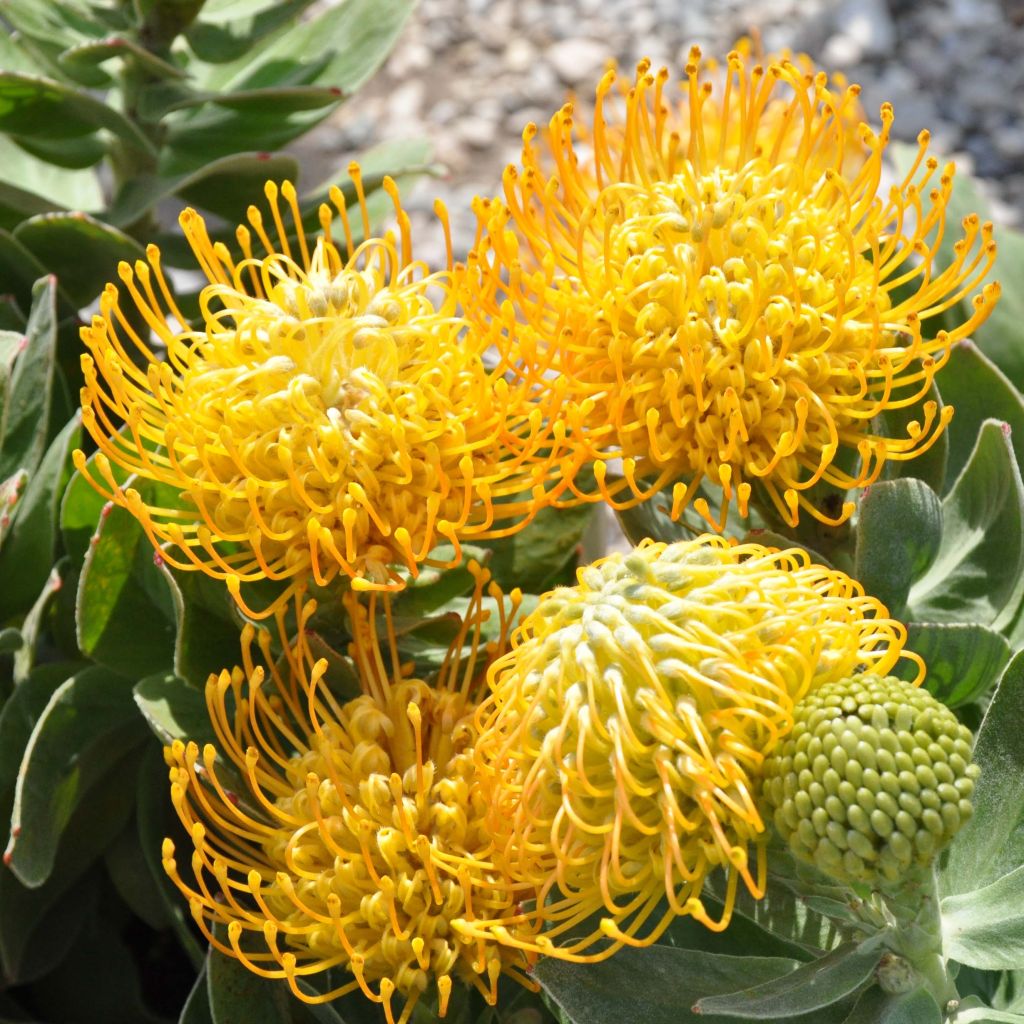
x=386, y=844
x=738, y=308
x=307, y=406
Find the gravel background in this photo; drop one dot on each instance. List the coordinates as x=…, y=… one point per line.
x=469, y=74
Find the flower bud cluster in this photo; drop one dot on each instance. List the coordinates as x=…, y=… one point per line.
x=875, y=777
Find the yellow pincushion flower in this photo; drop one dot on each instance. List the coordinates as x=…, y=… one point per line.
x=355, y=836
x=330, y=415
x=724, y=288
x=626, y=730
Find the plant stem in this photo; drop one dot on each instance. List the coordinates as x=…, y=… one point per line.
x=917, y=935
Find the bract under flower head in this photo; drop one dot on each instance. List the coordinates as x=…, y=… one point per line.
x=626, y=729
x=726, y=290
x=330, y=415
x=348, y=835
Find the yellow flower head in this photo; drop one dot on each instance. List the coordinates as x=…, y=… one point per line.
x=627, y=728
x=726, y=291
x=348, y=835
x=330, y=414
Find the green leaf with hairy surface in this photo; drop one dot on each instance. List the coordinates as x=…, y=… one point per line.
x=672, y=981
x=226, y=32
x=7, y=306
x=50, y=925
x=80, y=511
x=89, y=722
x=808, y=989
x=434, y=587
x=539, y=554
x=217, y=133
x=125, y=612
x=28, y=551
x=340, y=676
x=225, y=186
x=791, y=918
x=207, y=637
x=79, y=154
x=991, y=844
x=11, y=491
x=988, y=988
x=62, y=22
x=13, y=55
x=19, y=270
x=279, y=101
x=878, y=1007
x=173, y=709
x=341, y=46
x=82, y=251
x=27, y=409
x=84, y=59
x=651, y=519
x=971, y=1013
x=129, y=871
x=985, y=927
x=977, y=390
x=33, y=186
x=32, y=106
x=899, y=533
x=32, y=624
x=17, y=203
x=978, y=573
x=21, y=956
x=165, y=20
x=11, y=343
x=964, y=660
x=82, y=507
x=101, y=964
x=742, y=936
x=986, y=1015
x=18, y=718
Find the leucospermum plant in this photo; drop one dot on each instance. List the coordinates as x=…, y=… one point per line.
x=625, y=734
x=332, y=415
x=463, y=766
x=729, y=292
x=366, y=846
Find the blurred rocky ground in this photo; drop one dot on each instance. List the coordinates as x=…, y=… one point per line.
x=469, y=74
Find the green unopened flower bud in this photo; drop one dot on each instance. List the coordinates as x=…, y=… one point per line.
x=875, y=777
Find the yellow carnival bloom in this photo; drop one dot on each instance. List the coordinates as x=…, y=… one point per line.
x=355, y=836
x=331, y=414
x=722, y=287
x=626, y=730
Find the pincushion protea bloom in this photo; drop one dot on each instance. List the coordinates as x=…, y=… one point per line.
x=626, y=731
x=723, y=288
x=356, y=838
x=330, y=415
